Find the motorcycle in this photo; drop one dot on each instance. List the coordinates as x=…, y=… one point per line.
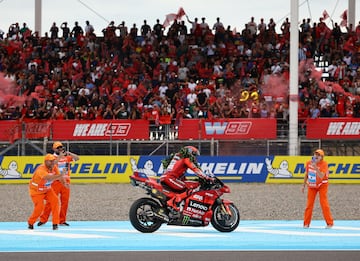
x=200, y=208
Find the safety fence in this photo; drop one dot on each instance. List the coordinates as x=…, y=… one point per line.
x=339, y=136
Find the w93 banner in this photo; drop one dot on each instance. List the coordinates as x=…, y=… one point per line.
x=228, y=129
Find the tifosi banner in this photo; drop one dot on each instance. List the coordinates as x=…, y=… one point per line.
x=10, y=131
x=37, y=129
x=228, y=129
x=333, y=128
x=100, y=130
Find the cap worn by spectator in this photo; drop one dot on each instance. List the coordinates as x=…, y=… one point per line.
x=49, y=157
x=320, y=152
x=57, y=144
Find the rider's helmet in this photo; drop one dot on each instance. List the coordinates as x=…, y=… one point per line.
x=193, y=151
x=190, y=151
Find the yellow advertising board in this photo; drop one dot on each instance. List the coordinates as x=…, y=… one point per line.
x=89, y=169
x=291, y=169
x=117, y=169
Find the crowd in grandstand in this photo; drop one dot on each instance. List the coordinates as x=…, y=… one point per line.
x=189, y=69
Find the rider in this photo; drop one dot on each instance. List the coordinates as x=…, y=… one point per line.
x=174, y=176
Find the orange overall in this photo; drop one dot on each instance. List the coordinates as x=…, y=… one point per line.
x=317, y=185
x=40, y=190
x=61, y=191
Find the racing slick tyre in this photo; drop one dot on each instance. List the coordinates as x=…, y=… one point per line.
x=223, y=221
x=142, y=216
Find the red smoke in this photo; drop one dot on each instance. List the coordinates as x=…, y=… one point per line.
x=308, y=70
x=276, y=86
x=9, y=92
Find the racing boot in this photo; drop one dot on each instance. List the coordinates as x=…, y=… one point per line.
x=175, y=202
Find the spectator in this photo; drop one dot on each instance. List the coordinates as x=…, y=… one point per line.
x=123, y=30
x=187, y=114
x=314, y=111
x=65, y=30
x=58, y=114
x=121, y=112
x=145, y=30
x=89, y=29
x=252, y=26
x=24, y=31
x=54, y=31
x=158, y=30
x=14, y=30
x=134, y=32
x=204, y=26
x=108, y=113
x=194, y=24
x=70, y=113
x=218, y=26
x=285, y=28
x=261, y=27
x=77, y=30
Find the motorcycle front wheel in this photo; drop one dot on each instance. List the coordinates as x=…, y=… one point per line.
x=223, y=221
x=142, y=216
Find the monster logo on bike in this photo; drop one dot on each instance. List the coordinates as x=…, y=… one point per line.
x=185, y=220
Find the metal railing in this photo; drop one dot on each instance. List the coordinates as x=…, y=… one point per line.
x=163, y=141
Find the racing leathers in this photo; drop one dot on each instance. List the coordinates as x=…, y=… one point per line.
x=174, y=178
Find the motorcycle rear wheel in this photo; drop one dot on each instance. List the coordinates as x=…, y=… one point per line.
x=142, y=217
x=224, y=222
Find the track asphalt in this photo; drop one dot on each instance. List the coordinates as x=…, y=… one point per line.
x=256, y=235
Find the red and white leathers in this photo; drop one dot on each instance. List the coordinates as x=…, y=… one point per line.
x=174, y=177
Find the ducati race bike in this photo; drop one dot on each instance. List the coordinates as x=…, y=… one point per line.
x=202, y=207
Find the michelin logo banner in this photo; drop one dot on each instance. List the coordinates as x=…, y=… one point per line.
x=117, y=169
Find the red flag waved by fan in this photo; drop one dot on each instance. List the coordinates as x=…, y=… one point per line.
x=343, y=16
x=325, y=15
x=171, y=17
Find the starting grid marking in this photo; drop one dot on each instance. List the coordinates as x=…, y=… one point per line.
x=121, y=236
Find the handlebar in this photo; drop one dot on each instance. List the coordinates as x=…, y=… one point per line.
x=206, y=184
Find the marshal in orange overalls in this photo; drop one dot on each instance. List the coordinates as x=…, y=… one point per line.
x=63, y=160
x=316, y=178
x=40, y=190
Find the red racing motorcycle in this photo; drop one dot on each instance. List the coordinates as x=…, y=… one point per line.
x=199, y=209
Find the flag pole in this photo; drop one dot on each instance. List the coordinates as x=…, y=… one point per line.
x=38, y=10
x=351, y=12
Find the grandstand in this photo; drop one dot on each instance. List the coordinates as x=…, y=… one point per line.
x=202, y=73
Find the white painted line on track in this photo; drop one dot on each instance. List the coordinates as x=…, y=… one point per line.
x=50, y=234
